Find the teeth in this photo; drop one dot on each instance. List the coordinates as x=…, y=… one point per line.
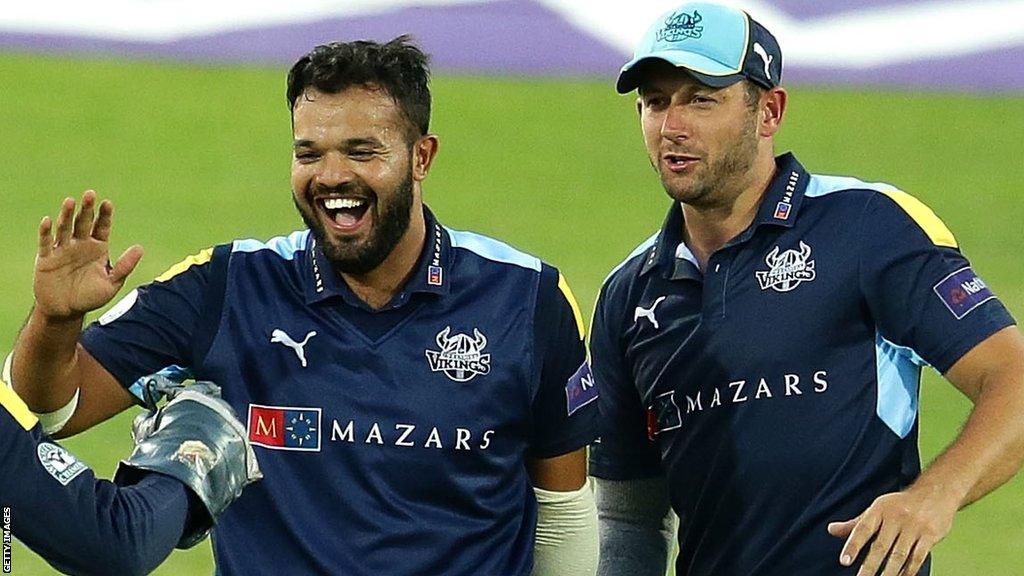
x=340, y=203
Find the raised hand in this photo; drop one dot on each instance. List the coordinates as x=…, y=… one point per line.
x=73, y=272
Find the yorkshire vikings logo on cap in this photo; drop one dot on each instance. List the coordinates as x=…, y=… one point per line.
x=680, y=26
x=461, y=356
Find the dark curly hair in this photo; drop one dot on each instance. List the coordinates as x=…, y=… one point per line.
x=397, y=67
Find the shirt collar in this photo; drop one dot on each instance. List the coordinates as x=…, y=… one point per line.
x=429, y=276
x=779, y=207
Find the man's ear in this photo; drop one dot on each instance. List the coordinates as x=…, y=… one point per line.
x=423, y=152
x=772, y=107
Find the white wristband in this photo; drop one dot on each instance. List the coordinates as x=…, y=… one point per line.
x=52, y=422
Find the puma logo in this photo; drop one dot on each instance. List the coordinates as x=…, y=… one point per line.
x=279, y=336
x=764, y=56
x=648, y=313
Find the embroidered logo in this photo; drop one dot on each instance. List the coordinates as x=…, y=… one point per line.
x=963, y=291
x=461, y=356
x=767, y=58
x=663, y=415
x=279, y=336
x=60, y=463
x=680, y=26
x=285, y=427
x=580, y=390
x=648, y=313
x=786, y=270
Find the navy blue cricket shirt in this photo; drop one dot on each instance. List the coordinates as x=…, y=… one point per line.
x=391, y=441
x=778, y=388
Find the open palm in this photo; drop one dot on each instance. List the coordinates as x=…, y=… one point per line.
x=73, y=272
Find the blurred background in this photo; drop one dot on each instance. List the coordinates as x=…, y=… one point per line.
x=175, y=110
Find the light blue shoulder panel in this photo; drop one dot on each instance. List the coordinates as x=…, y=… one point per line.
x=492, y=249
x=899, y=378
x=643, y=247
x=283, y=246
x=821, y=185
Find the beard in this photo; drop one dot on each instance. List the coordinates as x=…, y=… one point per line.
x=390, y=222
x=725, y=173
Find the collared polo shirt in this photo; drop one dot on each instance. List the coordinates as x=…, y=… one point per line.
x=777, y=388
x=392, y=441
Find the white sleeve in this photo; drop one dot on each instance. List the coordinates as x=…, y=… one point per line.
x=566, y=542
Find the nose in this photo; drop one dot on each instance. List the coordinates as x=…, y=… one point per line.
x=676, y=125
x=334, y=171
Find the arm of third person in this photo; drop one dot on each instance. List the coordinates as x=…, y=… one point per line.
x=73, y=275
x=566, y=542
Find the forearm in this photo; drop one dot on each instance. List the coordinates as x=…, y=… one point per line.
x=990, y=448
x=636, y=527
x=44, y=368
x=566, y=541
x=120, y=530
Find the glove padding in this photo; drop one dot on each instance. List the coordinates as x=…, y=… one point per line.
x=197, y=439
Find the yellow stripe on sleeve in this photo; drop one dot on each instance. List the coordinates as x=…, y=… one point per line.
x=924, y=217
x=202, y=257
x=16, y=407
x=567, y=292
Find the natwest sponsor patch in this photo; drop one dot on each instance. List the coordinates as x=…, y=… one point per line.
x=963, y=291
x=285, y=427
x=580, y=389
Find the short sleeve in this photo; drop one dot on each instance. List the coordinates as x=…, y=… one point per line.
x=922, y=292
x=624, y=452
x=167, y=325
x=564, y=406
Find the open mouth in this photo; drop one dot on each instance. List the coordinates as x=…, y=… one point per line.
x=346, y=214
x=679, y=162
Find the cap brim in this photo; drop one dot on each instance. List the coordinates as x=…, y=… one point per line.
x=703, y=69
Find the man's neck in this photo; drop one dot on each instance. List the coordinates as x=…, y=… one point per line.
x=707, y=228
x=378, y=286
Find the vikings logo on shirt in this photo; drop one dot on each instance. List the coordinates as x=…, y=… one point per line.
x=787, y=270
x=461, y=357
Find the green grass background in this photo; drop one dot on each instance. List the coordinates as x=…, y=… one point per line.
x=193, y=156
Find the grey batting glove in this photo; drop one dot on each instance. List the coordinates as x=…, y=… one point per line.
x=196, y=438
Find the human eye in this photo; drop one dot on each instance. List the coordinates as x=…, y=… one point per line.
x=306, y=156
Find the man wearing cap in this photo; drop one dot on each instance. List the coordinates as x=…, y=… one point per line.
x=758, y=358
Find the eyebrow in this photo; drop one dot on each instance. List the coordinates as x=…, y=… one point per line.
x=350, y=143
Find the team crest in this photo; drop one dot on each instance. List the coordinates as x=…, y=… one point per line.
x=680, y=26
x=461, y=356
x=786, y=270
x=60, y=463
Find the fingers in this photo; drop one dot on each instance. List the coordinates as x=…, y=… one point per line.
x=842, y=529
x=878, y=551
x=867, y=525
x=64, y=220
x=104, y=222
x=82, y=227
x=125, y=264
x=899, y=555
x=45, y=238
x=917, y=558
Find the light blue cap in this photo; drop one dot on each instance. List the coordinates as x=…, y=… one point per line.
x=718, y=45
